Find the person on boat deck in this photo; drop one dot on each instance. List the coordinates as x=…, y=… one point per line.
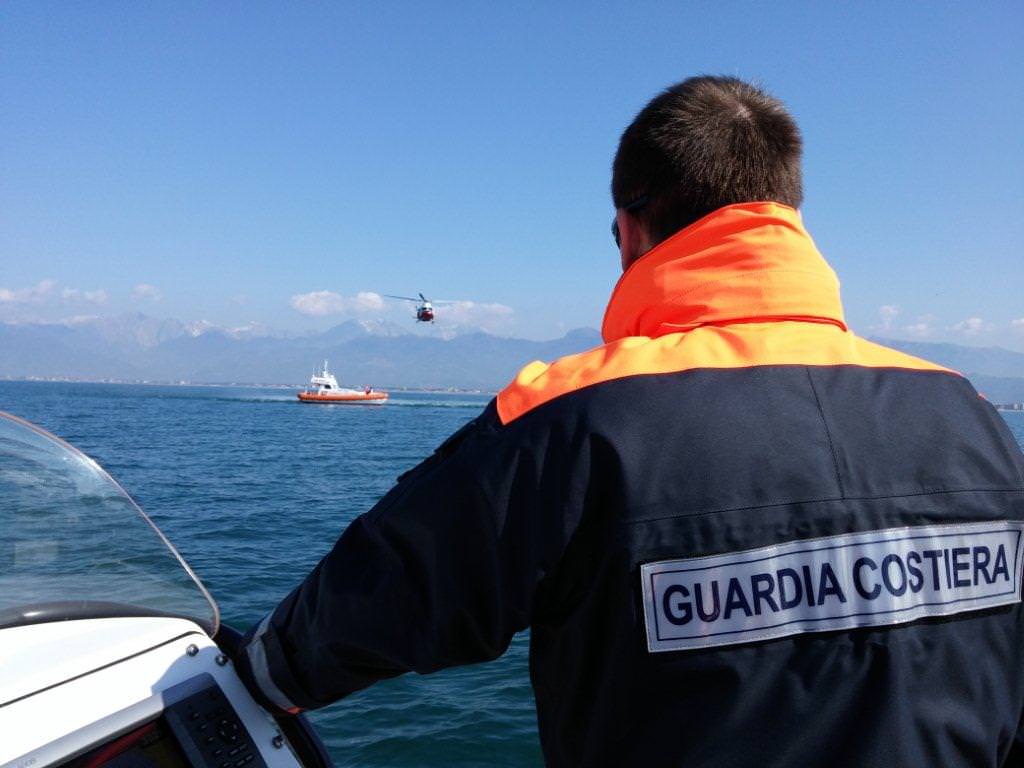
x=739, y=534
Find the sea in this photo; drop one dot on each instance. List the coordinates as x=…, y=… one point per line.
x=254, y=488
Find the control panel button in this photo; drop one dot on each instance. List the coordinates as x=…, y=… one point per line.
x=211, y=732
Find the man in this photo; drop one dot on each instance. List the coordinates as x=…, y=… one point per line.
x=739, y=534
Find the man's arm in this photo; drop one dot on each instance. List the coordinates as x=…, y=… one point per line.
x=441, y=572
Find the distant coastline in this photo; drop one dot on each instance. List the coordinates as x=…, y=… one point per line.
x=236, y=384
x=1011, y=407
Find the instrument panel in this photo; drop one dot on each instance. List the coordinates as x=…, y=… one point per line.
x=149, y=746
x=198, y=729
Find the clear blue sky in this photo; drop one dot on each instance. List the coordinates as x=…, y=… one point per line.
x=229, y=157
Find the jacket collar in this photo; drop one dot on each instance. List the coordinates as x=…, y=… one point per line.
x=750, y=262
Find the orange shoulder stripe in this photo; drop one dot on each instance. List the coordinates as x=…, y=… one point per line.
x=737, y=345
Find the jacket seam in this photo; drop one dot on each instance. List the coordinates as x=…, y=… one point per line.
x=696, y=369
x=828, y=433
x=826, y=500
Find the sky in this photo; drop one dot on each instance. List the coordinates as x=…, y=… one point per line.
x=288, y=164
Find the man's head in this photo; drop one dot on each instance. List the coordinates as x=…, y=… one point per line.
x=702, y=144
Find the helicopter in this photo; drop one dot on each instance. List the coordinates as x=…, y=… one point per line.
x=424, y=306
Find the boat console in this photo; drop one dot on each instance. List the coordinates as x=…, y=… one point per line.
x=142, y=691
x=111, y=650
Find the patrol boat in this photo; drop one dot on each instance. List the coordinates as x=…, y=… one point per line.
x=323, y=388
x=111, y=650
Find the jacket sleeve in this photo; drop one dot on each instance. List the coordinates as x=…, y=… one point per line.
x=441, y=572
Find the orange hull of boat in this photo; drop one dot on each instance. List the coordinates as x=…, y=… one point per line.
x=361, y=397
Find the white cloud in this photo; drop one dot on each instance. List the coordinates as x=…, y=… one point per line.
x=318, y=303
x=491, y=318
x=368, y=301
x=321, y=303
x=888, y=313
x=920, y=329
x=40, y=302
x=79, y=320
x=35, y=295
x=972, y=326
x=99, y=296
x=1018, y=324
x=146, y=292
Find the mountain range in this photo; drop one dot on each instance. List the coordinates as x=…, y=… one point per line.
x=136, y=347
x=995, y=372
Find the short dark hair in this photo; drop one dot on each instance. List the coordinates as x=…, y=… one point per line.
x=702, y=144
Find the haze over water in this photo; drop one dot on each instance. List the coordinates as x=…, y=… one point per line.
x=254, y=488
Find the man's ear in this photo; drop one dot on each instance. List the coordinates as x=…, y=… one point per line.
x=633, y=239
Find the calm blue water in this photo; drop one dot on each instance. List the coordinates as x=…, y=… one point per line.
x=254, y=487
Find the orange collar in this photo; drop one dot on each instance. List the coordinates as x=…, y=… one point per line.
x=749, y=262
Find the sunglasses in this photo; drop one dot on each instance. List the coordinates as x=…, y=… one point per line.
x=631, y=207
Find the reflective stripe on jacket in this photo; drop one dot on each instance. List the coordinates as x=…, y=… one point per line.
x=739, y=534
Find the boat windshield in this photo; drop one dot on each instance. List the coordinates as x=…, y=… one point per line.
x=74, y=545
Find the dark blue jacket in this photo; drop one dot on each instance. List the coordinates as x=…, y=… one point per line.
x=739, y=535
